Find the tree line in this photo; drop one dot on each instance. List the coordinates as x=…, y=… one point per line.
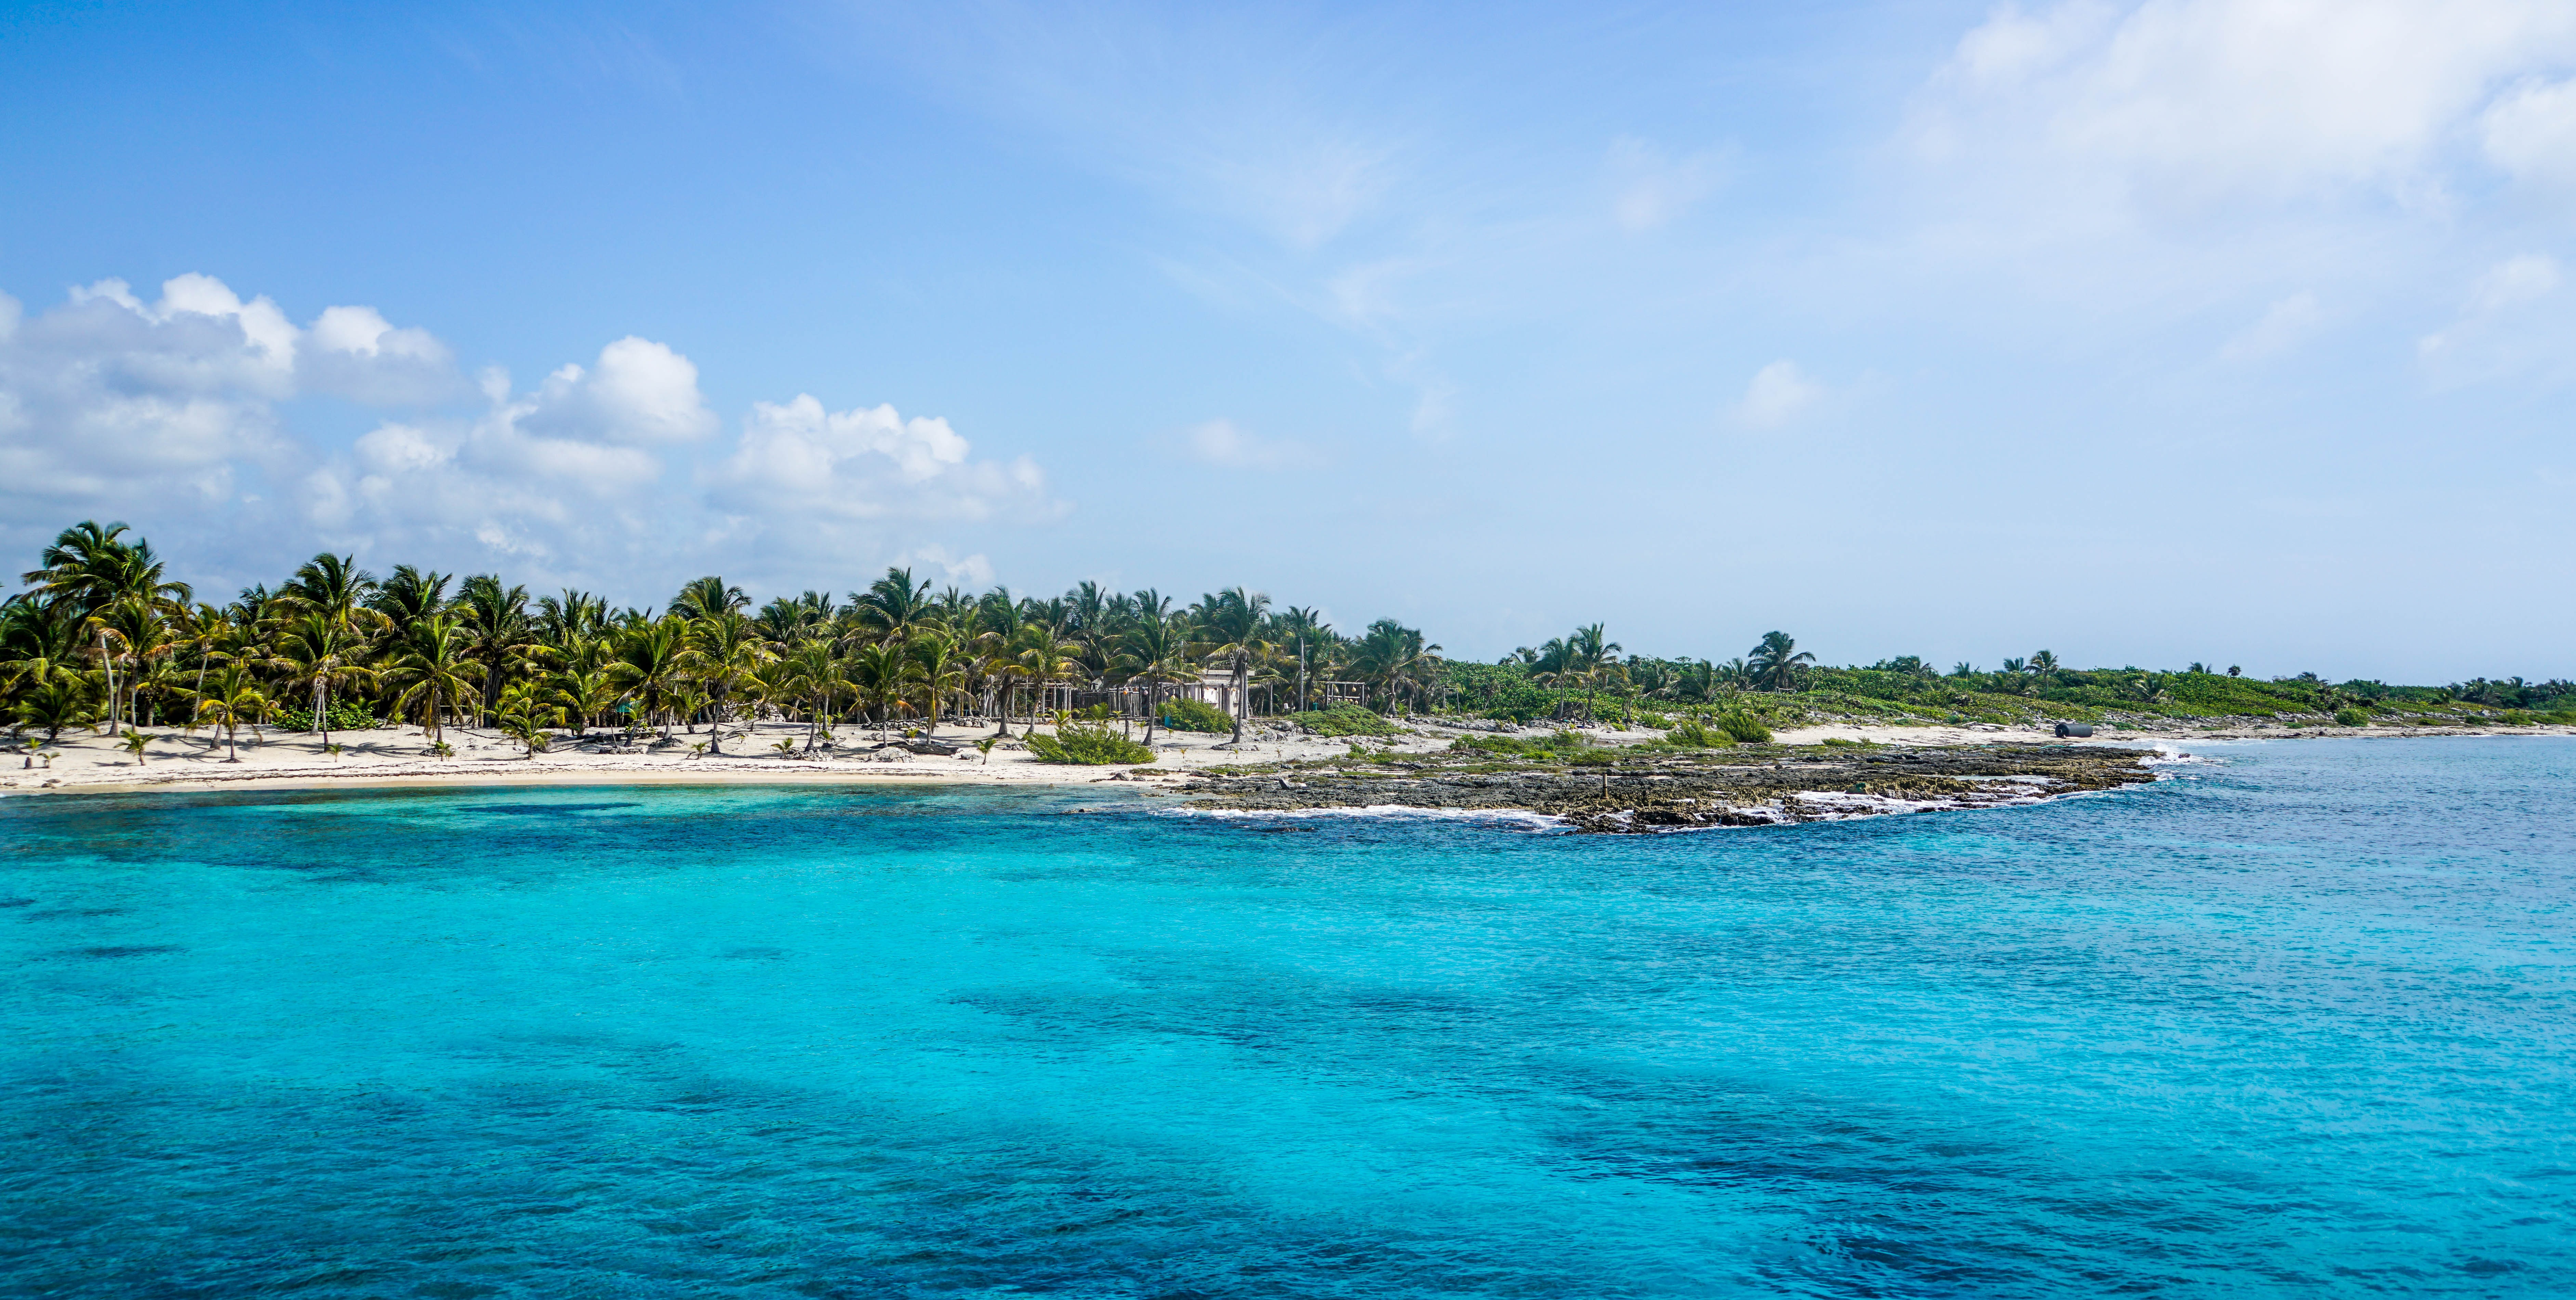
x=103, y=636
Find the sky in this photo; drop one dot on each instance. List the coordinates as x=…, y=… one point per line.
x=2225, y=330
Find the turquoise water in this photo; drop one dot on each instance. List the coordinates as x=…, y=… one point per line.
x=2299, y=1024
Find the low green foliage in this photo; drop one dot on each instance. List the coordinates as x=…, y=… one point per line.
x=343, y=715
x=1196, y=715
x=2516, y=718
x=1841, y=742
x=1744, y=728
x=1694, y=734
x=2352, y=717
x=1345, y=720
x=1088, y=743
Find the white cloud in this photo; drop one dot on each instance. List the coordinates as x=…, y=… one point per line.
x=171, y=410
x=641, y=393
x=866, y=464
x=1226, y=445
x=2501, y=326
x=1650, y=189
x=2530, y=131
x=2284, y=325
x=2180, y=103
x=969, y=572
x=1779, y=393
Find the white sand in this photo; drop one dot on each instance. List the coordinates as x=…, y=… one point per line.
x=85, y=760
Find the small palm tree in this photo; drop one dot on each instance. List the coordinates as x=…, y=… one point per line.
x=62, y=701
x=134, y=744
x=230, y=700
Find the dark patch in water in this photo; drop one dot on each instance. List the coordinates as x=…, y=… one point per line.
x=1284, y=830
x=17, y=902
x=540, y=810
x=52, y=913
x=114, y=951
x=754, y=953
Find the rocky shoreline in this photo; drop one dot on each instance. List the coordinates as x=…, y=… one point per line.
x=1641, y=792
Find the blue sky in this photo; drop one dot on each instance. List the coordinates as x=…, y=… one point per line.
x=2143, y=332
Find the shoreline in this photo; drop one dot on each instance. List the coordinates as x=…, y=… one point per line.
x=93, y=765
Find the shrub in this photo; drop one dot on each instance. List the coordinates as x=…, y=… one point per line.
x=2516, y=718
x=1693, y=734
x=1345, y=720
x=1195, y=715
x=2352, y=718
x=1090, y=744
x=344, y=715
x=1744, y=728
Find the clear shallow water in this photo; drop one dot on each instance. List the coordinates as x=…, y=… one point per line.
x=2296, y=1025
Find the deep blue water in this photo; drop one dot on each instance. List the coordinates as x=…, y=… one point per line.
x=2296, y=1025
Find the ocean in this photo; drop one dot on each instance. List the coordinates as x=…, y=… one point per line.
x=2298, y=1021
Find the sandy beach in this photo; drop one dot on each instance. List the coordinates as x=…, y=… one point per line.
x=84, y=761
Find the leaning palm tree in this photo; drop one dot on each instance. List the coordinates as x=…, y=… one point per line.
x=434, y=673
x=1777, y=661
x=1230, y=636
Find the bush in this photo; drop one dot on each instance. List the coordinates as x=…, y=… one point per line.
x=1345, y=720
x=1692, y=734
x=1744, y=728
x=1090, y=744
x=2352, y=718
x=1196, y=715
x=2516, y=718
x=344, y=715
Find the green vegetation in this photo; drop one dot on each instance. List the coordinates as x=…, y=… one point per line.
x=1344, y=720
x=1193, y=715
x=104, y=638
x=1092, y=743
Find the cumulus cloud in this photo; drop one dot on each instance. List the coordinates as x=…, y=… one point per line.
x=1226, y=445
x=2530, y=132
x=1780, y=392
x=969, y=571
x=641, y=393
x=171, y=409
x=866, y=464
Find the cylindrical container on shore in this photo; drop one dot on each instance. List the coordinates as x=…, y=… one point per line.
x=2075, y=729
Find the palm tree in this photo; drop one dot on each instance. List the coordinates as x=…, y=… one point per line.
x=585, y=694
x=504, y=640
x=334, y=587
x=709, y=597
x=60, y=702
x=1390, y=655
x=409, y=596
x=1229, y=626
x=90, y=565
x=1157, y=655
x=878, y=673
x=811, y=671
x=936, y=663
x=233, y=699
x=723, y=649
x=1044, y=659
x=1777, y=660
x=648, y=666
x=433, y=672
x=894, y=607
x=2043, y=667
x=321, y=652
